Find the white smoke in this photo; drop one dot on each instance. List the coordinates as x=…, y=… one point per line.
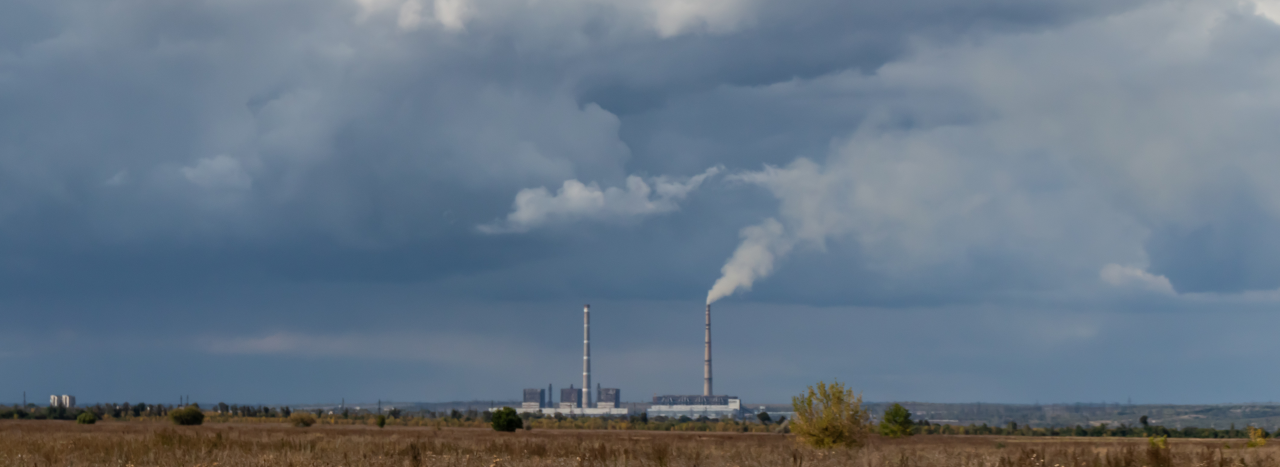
x=761, y=246
x=575, y=200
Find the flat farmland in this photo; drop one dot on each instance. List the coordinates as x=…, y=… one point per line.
x=138, y=444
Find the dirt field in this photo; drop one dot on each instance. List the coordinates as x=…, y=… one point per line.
x=138, y=444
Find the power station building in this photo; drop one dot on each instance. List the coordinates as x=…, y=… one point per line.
x=696, y=406
x=570, y=398
x=608, y=401
x=608, y=398
x=534, y=398
x=577, y=401
x=706, y=405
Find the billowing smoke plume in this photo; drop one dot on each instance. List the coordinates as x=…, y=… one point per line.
x=761, y=246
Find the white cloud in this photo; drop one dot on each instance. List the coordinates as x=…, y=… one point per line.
x=452, y=14
x=1044, y=154
x=410, y=16
x=575, y=200
x=1129, y=276
x=218, y=172
x=668, y=18
x=675, y=17
x=1269, y=9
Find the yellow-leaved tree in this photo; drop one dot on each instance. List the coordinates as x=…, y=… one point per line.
x=829, y=416
x=1257, y=437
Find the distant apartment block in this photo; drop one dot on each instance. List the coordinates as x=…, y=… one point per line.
x=64, y=401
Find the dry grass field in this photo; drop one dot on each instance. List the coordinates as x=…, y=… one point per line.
x=137, y=444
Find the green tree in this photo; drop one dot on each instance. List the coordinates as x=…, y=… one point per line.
x=506, y=419
x=302, y=419
x=897, y=422
x=190, y=415
x=829, y=415
x=86, y=418
x=382, y=420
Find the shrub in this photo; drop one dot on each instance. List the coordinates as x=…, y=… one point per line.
x=1158, y=442
x=897, y=422
x=382, y=420
x=1257, y=437
x=189, y=415
x=506, y=419
x=829, y=415
x=302, y=419
x=86, y=418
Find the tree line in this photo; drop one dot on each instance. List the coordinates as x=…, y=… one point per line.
x=830, y=415
x=125, y=410
x=1100, y=430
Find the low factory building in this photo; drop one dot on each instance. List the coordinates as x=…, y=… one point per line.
x=696, y=406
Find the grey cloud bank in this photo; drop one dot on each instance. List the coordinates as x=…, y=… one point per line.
x=283, y=181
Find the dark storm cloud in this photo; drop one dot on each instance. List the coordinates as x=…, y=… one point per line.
x=289, y=181
x=278, y=119
x=203, y=127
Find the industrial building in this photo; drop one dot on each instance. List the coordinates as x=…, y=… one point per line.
x=608, y=398
x=706, y=405
x=534, y=399
x=696, y=406
x=570, y=397
x=576, y=401
x=608, y=401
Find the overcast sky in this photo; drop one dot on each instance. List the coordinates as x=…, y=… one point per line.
x=292, y=201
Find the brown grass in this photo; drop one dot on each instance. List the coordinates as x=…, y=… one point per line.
x=138, y=444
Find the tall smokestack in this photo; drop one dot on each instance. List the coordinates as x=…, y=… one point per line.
x=586, y=356
x=706, y=362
